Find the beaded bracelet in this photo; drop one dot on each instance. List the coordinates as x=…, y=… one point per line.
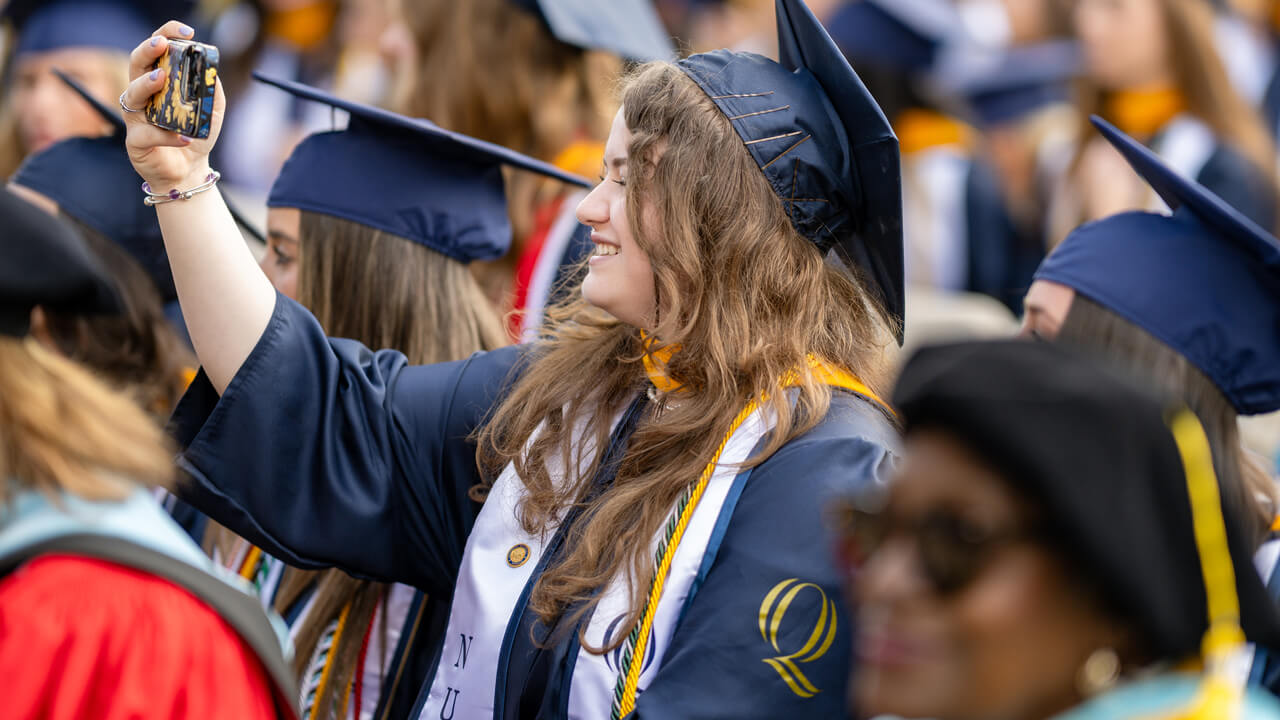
x=155, y=198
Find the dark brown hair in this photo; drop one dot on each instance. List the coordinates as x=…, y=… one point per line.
x=743, y=295
x=1245, y=487
x=138, y=350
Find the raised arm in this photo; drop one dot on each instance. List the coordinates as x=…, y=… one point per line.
x=226, y=300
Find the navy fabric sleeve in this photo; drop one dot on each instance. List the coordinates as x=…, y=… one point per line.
x=774, y=565
x=324, y=453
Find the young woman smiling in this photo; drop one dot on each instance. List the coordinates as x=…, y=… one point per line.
x=613, y=508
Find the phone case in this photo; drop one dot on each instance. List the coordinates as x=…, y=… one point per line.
x=185, y=104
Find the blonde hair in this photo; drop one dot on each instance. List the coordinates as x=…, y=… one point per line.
x=62, y=430
x=743, y=295
x=12, y=152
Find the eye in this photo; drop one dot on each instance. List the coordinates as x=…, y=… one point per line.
x=281, y=257
x=621, y=181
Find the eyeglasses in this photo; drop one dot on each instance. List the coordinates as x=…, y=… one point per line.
x=952, y=551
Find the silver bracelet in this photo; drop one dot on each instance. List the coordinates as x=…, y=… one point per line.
x=155, y=198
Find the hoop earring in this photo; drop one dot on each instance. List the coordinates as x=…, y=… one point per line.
x=1099, y=672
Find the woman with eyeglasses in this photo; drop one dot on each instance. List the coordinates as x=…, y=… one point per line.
x=1052, y=546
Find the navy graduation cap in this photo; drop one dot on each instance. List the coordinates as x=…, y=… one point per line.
x=1204, y=280
x=906, y=35
x=44, y=25
x=406, y=176
x=821, y=141
x=92, y=180
x=628, y=28
x=1018, y=81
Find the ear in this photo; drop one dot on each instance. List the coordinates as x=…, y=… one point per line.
x=40, y=330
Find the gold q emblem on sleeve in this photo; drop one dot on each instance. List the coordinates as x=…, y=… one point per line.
x=518, y=555
x=773, y=612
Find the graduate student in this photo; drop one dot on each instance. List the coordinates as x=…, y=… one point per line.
x=1153, y=71
x=379, y=254
x=106, y=607
x=1053, y=546
x=1190, y=299
x=88, y=39
x=613, y=509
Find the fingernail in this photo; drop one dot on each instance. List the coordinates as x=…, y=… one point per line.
x=155, y=41
x=185, y=30
x=185, y=140
x=155, y=74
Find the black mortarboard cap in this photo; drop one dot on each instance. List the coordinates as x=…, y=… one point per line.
x=44, y=262
x=1094, y=451
x=405, y=176
x=1205, y=281
x=821, y=141
x=627, y=28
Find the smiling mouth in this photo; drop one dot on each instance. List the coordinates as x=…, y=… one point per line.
x=602, y=249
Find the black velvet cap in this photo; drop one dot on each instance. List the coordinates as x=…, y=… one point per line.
x=44, y=262
x=1092, y=449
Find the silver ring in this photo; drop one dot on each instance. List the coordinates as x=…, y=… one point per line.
x=124, y=107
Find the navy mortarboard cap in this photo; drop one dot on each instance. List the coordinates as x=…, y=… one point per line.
x=44, y=262
x=92, y=180
x=44, y=25
x=821, y=141
x=406, y=176
x=1096, y=453
x=904, y=35
x=1205, y=281
x=1018, y=81
x=628, y=28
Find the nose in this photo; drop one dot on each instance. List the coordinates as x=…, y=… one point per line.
x=890, y=574
x=593, y=210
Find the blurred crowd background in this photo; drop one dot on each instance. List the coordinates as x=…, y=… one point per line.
x=989, y=99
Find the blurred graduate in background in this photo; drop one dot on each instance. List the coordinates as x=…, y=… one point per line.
x=89, y=40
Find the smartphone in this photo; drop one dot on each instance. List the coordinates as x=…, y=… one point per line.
x=185, y=104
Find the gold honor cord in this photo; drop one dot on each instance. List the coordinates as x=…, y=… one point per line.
x=636, y=644
x=1219, y=696
x=624, y=695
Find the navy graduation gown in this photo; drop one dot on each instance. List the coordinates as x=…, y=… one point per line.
x=325, y=453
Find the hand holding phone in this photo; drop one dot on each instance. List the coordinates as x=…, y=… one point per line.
x=185, y=104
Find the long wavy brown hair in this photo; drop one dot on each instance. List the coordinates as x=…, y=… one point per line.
x=495, y=72
x=745, y=298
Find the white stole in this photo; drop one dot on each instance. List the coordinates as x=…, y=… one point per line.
x=497, y=565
